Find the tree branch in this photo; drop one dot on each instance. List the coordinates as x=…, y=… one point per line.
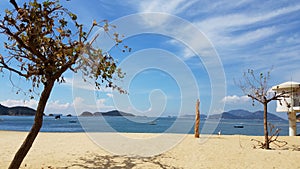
x=5, y=66
x=277, y=96
x=14, y=3
x=255, y=98
x=20, y=42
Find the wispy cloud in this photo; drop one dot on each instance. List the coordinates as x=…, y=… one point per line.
x=223, y=28
x=161, y=6
x=171, y=7
x=233, y=20
x=249, y=37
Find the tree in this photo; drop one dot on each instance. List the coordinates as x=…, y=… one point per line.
x=258, y=90
x=44, y=40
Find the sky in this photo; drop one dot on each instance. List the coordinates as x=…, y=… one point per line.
x=181, y=51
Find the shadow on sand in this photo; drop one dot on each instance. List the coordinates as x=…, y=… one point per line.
x=120, y=162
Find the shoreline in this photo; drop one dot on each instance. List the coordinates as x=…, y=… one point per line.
x=142, y=133
x=77, y=150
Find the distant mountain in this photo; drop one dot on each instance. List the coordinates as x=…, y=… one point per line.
x=240, y=112
x=260, y=115
x=109, y=113
x=224, y=115
x=244, y=114
x=3, y=110
x=17, y=111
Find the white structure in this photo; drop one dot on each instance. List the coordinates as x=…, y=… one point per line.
x=290, y=103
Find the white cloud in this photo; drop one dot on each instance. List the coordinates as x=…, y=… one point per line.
x=101, y=105
x=79, y=104
x=28, y=103
x=58, y=106
x=234, y=99
x=51, y=107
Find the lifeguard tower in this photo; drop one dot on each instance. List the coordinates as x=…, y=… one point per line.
x=289, y=103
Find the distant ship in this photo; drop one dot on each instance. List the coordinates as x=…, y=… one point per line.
x=238, y=126
x=152, y=122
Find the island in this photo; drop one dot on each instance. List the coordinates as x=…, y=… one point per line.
x=244, y=114
x=109, y=113
x=16, y=111
x=86, y=114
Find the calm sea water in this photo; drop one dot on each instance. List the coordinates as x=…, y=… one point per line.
x=139, y=125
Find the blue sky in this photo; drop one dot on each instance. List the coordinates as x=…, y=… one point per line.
x=184, y=50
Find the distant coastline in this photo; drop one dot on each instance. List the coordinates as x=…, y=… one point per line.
x=26, y=111
x=232, y=114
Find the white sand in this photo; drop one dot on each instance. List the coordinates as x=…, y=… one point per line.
x=77, y=150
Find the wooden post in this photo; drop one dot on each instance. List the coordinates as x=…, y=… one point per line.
x=197, y=119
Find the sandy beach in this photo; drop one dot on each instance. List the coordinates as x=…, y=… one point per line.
x=77, y=150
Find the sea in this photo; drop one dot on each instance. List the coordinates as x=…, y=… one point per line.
x=143, y=125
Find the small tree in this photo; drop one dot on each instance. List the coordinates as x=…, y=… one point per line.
x=258, y=90
x=44, y=40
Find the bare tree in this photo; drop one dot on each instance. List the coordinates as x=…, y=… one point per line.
x=272, y=139
x=257, y=89
x=44, y=40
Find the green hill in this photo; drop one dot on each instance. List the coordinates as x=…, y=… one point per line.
x=16, y=111
x=244, y=114
x=109, y=113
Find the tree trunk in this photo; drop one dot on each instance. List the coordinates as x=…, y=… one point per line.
x=266, y=126
x=197, y=119
x=38, y=121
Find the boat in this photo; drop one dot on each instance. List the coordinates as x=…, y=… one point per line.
x=152, y=122
x=57, y=117
x=238, y=126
